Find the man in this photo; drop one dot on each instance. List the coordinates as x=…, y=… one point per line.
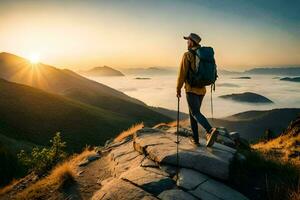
x=194, y=95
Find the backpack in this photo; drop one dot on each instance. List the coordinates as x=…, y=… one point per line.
x=205, y=72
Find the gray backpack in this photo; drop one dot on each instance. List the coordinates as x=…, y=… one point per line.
x=205, y=72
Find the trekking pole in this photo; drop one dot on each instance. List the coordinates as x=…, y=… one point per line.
x=177, y=140
x=211, y=103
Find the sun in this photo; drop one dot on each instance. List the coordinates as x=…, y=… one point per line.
x=34, y=58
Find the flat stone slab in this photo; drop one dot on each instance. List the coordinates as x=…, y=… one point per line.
x=212, y=189
x=175, y=194
x=190, y=179
x=118, y=189
x=161, y=147
x=150, y=179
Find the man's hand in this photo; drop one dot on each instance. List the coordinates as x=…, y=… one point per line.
x=178, y=94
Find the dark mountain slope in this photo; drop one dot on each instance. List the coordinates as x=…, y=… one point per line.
x=33, y=115
x=252, y=124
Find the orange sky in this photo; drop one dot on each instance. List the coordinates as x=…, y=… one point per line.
x=81, y=35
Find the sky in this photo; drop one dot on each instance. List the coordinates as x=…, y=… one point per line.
x=138, y=33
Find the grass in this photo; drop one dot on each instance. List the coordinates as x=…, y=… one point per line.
x=285, y=146
x=59, y=179
x=262, y=177
x=129, y=132
x=61, y=176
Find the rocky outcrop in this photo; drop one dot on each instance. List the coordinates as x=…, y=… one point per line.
x=145, y=167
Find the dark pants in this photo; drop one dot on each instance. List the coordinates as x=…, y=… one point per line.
x=194, y=103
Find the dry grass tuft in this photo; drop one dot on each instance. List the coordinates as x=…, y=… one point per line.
x=59, y=178
x=84, y=154
x=9, y=187
x=128, y=132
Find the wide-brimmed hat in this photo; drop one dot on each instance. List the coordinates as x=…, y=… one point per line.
x=193, y=36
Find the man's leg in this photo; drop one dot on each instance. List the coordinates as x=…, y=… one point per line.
x=194, y=126
x=194, y=102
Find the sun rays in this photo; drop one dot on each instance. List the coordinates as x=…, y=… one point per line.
x=31, y=72
x=34, y=58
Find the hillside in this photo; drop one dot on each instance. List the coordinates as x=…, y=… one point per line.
x=34, y=115
x=286, y=146
x=68, y=83
x=252, y=124
x=248, y=97
x=102, y=71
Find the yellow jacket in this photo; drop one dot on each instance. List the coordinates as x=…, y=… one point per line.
x=188, y=60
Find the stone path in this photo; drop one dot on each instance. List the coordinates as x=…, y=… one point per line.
x=144, y=167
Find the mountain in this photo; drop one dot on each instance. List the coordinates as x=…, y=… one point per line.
x=248, y=97
x=32, y=115
x=150, y=71
x=69, y=84
x=253, y=124
x=226, y=72
x=288, y=71
x=294, y=79
x=102, y=71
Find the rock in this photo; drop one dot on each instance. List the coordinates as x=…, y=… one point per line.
x=108, y=142
x=113, y=144
x=212, y=189
x=234, y=135
x=241, y=157
x=223, y=131
x=175, y=194
x=171, y=170
x=190, y=179
x=120, y=167
x=204, y=195
x=146, y=130
x=83, y=163
x=105, y=181
x=91, y=158
x=118, y=189
x=151, y=180
x=182, y=131
x=162, y=126
x=226, y=141
x=148, y=163
x=80, y=173
x=162, y=149
x=121, y=150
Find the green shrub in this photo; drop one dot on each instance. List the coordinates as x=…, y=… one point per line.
x=41, y=160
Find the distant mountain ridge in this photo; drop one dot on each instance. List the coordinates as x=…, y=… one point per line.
x=149, y=71
x=294, y=71
x=102, y=71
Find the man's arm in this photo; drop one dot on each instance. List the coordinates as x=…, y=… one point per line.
x=182, y=73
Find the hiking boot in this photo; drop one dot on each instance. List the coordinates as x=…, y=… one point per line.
x=193, y=142
x=211, y=137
